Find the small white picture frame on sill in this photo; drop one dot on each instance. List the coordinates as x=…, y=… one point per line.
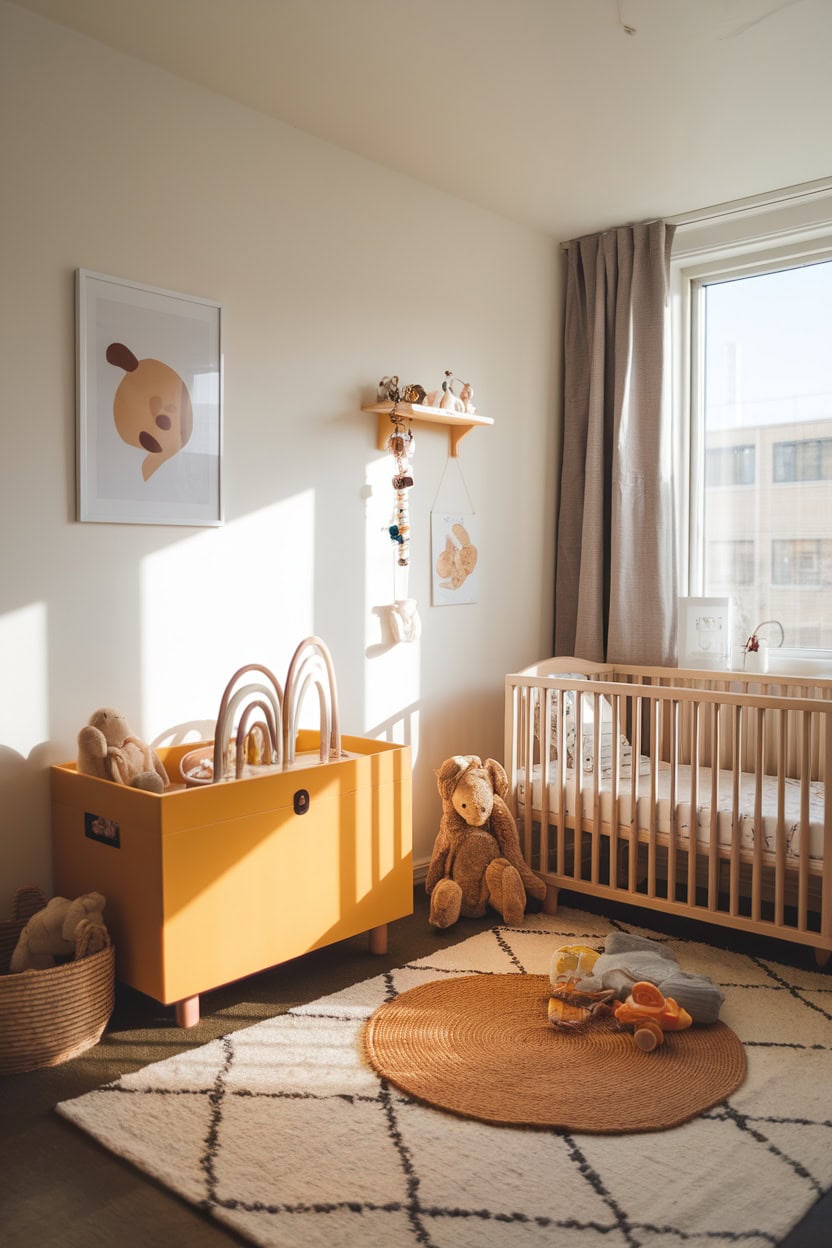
x=149, y=404
x=705, y=633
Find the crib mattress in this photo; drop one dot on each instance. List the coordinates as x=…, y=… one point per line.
x=748, y=832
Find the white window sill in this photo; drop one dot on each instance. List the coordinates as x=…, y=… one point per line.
x=782, y=662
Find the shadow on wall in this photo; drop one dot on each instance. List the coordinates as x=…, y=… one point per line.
x=195, y=730
x=399, y=728
x=27, y=856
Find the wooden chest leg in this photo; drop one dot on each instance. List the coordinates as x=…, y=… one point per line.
x=378, y=939
x=550, y=904
x=187, y=1012
x=822, y=956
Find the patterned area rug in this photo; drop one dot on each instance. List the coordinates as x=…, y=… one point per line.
x=283, y=1131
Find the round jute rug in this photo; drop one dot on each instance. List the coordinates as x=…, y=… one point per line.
x=482, y=1046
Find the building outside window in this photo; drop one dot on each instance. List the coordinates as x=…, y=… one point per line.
x=757, y=425
x=804, y=563
x=730, y=465
x=809, y=460
x=730, y=564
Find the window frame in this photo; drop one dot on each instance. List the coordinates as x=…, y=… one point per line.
x=724, y=244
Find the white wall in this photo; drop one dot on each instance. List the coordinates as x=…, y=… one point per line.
x=331, y=272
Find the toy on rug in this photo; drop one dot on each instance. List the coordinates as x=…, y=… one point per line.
x=627, y=960
x=476, y=860
x=62, y=929
x=570, y=1009
x=651, y=1014
x=108, y=750
x=572, y=962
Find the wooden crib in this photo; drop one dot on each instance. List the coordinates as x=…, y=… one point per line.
x=611, y=768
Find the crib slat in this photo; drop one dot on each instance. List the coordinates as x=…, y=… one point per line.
x=596, y=791
x=545, y=736
x=579, y=786
x=693, y=820
x=655, y=708
x=826, y=878
x=562, y=777
x=803, y=867
x=780, y=834
x=532, y=701
x=673, y=844
x=713, y=856
x=757, y=863
x=635, y=771
x=736, y=823
x=615, y=801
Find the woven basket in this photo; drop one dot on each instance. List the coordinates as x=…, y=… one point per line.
x=49, y=1016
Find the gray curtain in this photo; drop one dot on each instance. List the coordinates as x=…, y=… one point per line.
x=616, y=584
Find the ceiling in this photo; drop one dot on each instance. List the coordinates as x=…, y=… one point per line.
x=566, y=115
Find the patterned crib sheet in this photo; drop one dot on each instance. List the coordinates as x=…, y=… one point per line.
x=703, y=806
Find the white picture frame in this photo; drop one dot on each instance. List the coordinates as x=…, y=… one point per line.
x=705, y=633
x=149, y=404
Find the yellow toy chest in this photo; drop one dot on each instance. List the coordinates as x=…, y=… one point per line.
x=206, y=885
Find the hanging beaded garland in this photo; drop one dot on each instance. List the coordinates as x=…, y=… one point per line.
x=400, y=444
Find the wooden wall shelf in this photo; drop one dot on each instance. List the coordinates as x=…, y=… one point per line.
x=457, y=423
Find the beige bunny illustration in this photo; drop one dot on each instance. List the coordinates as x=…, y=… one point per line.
x=456, y=562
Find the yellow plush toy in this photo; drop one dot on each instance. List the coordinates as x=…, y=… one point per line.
x=62, y=929
x=476, y=859
x=107, y=749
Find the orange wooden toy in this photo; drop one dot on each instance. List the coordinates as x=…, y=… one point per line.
x=651, y=1014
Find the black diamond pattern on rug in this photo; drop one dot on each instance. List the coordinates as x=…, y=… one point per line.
x=284, y=1132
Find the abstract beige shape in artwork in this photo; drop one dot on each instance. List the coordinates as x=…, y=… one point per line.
x=152, y=408
x=458, y=560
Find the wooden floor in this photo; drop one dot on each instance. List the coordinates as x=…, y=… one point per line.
x=59, y=1189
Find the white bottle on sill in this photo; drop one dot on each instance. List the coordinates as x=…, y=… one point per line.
x=757, y=660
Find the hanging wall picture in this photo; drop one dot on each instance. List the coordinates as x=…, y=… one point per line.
x=149, y=404
x=454, y=555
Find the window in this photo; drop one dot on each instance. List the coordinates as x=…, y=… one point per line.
x=804, y=563
x=809, y=460
x=752, y=326
x=731, y=564
x=730, y=465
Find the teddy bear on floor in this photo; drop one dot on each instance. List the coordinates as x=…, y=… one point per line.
x=476, y=860
x=62, y=929
x=107, y=749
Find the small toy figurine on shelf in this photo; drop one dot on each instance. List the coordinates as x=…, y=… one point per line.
x=466, y=395
x=651, y=1014
x=388, y=390
x=448, y=399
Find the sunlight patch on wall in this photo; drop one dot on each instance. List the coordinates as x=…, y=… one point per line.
x=392, y=686
x=240, y=594
x=24, y=706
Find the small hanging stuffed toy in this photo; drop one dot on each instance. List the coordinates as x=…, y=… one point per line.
x=404, y=621
x=400, y=445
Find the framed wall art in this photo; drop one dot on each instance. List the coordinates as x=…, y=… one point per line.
x=454, y=555
x=705, y=636
x=149, y=404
